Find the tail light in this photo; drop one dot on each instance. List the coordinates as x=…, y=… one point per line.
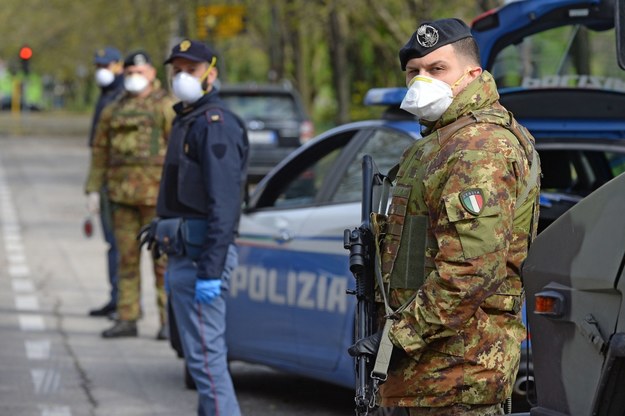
x=306, y=131
x=549, y=303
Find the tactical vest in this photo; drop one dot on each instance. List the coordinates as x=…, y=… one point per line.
x=137, y=134
x=409, y=247
x=182, y=192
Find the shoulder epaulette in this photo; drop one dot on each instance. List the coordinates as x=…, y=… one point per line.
x=214, y=115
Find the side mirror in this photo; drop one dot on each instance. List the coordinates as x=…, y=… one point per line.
x=619, y=29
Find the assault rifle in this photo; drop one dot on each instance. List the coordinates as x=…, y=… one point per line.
x=362, y=261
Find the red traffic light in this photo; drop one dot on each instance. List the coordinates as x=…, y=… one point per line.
x=26, y=53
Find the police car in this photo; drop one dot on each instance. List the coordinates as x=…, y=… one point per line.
x=288, y=306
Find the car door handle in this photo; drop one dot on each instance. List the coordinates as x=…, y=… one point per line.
x=284, y=236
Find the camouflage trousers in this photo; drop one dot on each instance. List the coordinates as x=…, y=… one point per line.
x=457, y=410
x=127, y=221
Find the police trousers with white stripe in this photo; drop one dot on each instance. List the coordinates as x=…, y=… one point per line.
x=202, y=335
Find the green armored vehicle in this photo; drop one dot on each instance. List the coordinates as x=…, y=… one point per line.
x=556, y=66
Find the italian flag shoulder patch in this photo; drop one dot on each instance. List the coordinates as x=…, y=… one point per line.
x=472, y=200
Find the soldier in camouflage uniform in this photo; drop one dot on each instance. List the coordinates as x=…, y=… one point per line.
x=128, y=155
x=463, y=210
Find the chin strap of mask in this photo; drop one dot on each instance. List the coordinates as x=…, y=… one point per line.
x=205, y=74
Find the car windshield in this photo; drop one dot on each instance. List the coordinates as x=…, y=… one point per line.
x=564, y=57
x=262, y=107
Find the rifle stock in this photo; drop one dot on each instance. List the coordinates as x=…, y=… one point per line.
x=360, y=243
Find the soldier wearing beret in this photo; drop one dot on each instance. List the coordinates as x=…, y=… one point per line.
x=200, y=195
x=109, y=77
x=127, y=158
x=466, y=199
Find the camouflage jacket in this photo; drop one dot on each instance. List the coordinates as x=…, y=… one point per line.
x=459, y=337
x=129, y=147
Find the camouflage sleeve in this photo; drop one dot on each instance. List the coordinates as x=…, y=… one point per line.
x=472, y=223
x=99, y=153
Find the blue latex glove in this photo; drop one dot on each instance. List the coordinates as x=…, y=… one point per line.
x=206, y=290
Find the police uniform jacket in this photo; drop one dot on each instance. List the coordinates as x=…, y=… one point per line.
x=469, y=183
x=204, y=175
x=107, y=95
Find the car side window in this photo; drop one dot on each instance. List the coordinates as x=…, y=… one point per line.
x=578, y=172
x=386, y=147
x=617, y=162
x=298, y=183
x=303, y=189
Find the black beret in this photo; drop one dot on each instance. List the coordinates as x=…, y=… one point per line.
x=137, y=58
x=193, y=50
x=432, y=35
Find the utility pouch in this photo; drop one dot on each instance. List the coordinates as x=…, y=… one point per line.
x=193, y=231
x=168, y=237
x=409, y=269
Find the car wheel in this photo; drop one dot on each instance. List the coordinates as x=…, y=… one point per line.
x=188, y=380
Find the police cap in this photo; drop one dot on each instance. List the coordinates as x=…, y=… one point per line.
x=137, y=58
x=431, y=35
x=193, y=50
x=106, y=55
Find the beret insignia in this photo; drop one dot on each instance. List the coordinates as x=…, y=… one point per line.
x=427, y=36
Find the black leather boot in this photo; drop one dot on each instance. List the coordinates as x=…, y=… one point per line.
x=121, y=329
x=105, y=310
x=163, y=333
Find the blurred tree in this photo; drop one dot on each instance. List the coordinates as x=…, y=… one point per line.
x=332, y=51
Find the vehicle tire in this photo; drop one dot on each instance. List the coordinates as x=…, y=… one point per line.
x=188, y=380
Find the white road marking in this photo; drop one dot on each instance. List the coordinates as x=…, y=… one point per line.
x=55, y=410
x=37, y=350
x=46, y=380
x=13, y=248
x=26, y=303
x=16, y=257
x=23, y=285
x=31, y=323
x=19, y=270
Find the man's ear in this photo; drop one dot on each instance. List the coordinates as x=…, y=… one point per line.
x=117, y=67
x=475, y=72
x=212, y=75
x=152, y=73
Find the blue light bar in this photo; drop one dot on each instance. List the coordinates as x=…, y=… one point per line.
x=385, y=96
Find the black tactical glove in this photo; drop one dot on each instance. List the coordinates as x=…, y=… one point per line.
x=147, y=235
x=366, y=346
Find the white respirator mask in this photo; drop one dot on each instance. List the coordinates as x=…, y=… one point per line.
x=104, y=77
x=135, y=83
x=428, y=98
x=189, y=88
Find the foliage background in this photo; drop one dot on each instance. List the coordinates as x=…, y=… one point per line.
x=332, y=51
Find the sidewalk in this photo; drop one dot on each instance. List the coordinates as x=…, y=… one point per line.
x=45, y=124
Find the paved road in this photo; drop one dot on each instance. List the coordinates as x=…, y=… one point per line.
x=52, y=360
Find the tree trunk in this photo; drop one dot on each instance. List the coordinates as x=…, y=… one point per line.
x=338, y=55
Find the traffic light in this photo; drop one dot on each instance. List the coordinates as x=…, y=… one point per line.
x=25, y=54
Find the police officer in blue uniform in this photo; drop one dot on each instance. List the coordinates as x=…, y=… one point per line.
x=109, y=76
x=202, y=184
